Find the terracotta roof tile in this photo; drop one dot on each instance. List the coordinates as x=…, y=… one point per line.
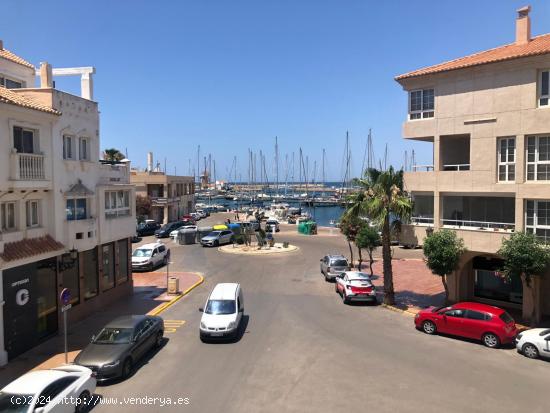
x=538, y=45
x=6, y=54
x=30, y=247
x=12, y=98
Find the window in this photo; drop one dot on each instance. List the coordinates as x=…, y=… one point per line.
x=68, y=147
x=538, y=158
x=544, y=93
x=455, y=313
x=507, y=159
x=108, y=267
x=537, y=218
x=476, y=315
x=117, y=203
x=7, y=213
x=122, y=275
x=9, y=83
x=83, y=149
x=23, y=140
x=32, y=214
x=90, y=271
x=421, y=104
x=76, y=209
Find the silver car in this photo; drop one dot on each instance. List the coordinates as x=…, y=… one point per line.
x=216, y=238
x=333, y=265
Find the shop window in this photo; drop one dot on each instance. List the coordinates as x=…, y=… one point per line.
x=491, y=284
x=46, y=278
x=122, y=252
x=108, y=266
x=71, y=277
x=90, y=270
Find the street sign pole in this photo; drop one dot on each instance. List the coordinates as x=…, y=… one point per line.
x=65, y=299
x=65, y=338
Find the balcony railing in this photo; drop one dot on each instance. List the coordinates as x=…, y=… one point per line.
x=422, y=220
x=28, y=167
x=483, y=225
x=418, y=168
x=457, y=167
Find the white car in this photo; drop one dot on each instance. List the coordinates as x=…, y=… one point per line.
x=150, y=256
x=196, y=216
x=62, y=389
x=174, y=233
x=355, y=286
x=534, y=343
x=222, y=312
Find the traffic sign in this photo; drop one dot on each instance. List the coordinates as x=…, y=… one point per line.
x=65, y=296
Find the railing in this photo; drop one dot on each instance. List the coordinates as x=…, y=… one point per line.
x=417, y=168
x=457, y=167
x=422, y=220
x=479, y=224
x=29, y=166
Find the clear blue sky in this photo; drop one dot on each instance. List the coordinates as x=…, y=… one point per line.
x=232, y=75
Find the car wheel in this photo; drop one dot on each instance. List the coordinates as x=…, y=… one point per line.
x=336, y=288
x=490, y=340
x=165, y=261
x=158, y=340
x=216, y=243
x=530, y=351
x=326, y=277
x=83, y=402
x=127, y=368
x=344, y=297
x=429, y=327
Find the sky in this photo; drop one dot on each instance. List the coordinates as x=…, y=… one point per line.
x=232, y=75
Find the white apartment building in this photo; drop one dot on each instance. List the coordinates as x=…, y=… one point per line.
x=65, y=217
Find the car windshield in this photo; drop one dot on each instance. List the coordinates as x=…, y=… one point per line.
x=166, y=227
x=142, y=252
x=111, y=335
x=359, y=277
x=506, y=318
x=15, y=402
x=219, y=307
x=142, y=225
x=339, y=263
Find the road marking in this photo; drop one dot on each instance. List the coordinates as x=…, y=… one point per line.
x=170, y=326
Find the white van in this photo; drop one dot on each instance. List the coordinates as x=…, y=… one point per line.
x=222, y=312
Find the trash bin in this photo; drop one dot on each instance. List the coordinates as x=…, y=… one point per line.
x=173, y=285
x=235, y=227
x=189, y=236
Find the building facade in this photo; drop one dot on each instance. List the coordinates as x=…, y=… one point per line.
x=487, y=117
x=170, y=196
x=65, y=218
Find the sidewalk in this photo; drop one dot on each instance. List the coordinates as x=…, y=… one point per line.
x=149, y=294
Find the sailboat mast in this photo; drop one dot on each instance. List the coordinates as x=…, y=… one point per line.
x=276, y=166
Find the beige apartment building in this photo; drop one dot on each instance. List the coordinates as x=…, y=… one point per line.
x=171, y=196
x=487, y=117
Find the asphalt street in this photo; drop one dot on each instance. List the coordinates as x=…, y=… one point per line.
x=303, y=350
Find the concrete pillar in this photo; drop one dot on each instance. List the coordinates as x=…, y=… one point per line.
x=520, y=159
x=437, y=210
x=529, y=301
x=436, y=154
x=87, y=86
x=3, y=352
x=166, y=215
x=46, y=75
x=520, y=204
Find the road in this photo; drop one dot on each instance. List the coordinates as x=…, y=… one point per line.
x=303, y=350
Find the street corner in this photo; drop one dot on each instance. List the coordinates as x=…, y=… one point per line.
x=185, y=282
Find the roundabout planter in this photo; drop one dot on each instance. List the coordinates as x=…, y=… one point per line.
x=277, y=248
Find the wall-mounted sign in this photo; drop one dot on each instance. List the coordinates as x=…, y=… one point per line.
x=22, y=296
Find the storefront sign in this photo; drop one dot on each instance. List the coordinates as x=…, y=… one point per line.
x=22, y=296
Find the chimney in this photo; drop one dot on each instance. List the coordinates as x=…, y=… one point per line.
x=46, y=76
x=1, y=45
x=523, y=26
x=150, y=161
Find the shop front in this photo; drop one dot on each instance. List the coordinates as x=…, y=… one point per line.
x=491, y=284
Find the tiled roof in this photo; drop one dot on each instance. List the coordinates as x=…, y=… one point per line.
x=30, y=247
x=6, y=54
x=12, y=98
x=538, y=45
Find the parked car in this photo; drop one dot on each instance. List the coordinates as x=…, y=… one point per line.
x=166, y=229
x=333, y=265
x=116, y=349
x=355, y=286
x=60, y=389
x=272, y=225
x=491, y=325
x=196, y=216
x=203, y=213
x=534, y=343
x=216, y=238
x=150, y=256
x=253, y=225
x=174, y=233
x=188, y=220
x=147, y=228
x=222, y=312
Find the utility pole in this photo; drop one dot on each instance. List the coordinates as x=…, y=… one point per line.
x=198, y=164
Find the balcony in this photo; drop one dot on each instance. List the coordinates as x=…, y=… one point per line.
x=454, y=153
x=114, y=173
x=27, y=167
x=478, y=213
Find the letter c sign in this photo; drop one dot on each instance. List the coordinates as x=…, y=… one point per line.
x=22, y=296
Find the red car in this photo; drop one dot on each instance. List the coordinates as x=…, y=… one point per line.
x=492, y=325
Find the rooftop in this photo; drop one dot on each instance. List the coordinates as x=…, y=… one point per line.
x=13, y=98
x=6, y=54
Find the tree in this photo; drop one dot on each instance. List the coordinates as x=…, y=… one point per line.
x=113, y=155
x=350, y=226
x=143, y=205
x=525, y=256
x=443, y=250
x=367, y=238
x=381, y=198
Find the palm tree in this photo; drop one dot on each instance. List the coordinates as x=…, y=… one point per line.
x=381, y=198
x=113, y=155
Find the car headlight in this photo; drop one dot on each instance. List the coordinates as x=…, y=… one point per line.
x=231, y=325
x=203, y=325
x=109, y=365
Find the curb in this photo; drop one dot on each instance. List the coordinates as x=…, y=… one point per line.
x=408, y=313
x=159, y=309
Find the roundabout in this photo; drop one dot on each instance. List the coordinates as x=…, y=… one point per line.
x=277, y=248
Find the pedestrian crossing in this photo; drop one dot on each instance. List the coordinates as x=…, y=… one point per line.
x=170, y=326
